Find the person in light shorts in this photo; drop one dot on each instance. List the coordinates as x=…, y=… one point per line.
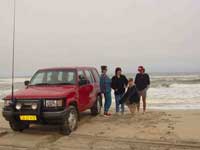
x=142, y=81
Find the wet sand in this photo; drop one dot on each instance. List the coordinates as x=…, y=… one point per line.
x=156, y=130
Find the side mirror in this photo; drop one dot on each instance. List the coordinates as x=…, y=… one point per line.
x=26, y=83
x=83, y=82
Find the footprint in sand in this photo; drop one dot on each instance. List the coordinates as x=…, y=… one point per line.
x=100, y=133
x=171, y=127
x=168, y=132
x=163, y=138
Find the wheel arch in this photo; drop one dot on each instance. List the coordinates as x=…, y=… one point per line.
x=75, y=104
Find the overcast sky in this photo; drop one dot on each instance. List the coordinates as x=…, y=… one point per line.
x=164, y=36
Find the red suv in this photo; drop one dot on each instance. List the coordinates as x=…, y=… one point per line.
x=55, y=96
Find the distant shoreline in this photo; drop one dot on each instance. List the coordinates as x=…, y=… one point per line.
x=126, y=73
x=174, y=91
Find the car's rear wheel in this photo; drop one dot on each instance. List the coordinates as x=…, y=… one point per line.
x=17, y=125
x=96, y=109
x=70, y=122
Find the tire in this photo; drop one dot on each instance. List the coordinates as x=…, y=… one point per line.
x=70, y=122
x=96, y=108
x=18, y=126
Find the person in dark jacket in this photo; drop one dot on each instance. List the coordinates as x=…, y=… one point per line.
x=105, y=86
x=131, y=98
x=119, y=83
x=142, y=81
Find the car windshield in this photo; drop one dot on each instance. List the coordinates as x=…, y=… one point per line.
x=54, y=77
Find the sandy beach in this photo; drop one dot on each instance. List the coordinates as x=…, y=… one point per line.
x=157, y=129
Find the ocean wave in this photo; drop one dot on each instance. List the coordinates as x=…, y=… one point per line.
x=166, y=90
x=175, y=106
x=16, y=80
x=167, y=83
x=4, y=93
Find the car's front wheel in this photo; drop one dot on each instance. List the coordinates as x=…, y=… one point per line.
x=96, y=109
x=70, y=122
x=17, y=125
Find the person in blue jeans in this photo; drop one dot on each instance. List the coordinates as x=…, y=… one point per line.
x=105, y=85
x=119, y=84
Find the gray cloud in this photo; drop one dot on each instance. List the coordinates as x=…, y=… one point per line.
x=162, y=35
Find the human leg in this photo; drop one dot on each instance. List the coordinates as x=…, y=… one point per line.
x=108, y=101
x=134, y=108
x=122, y=105
x=117, y=99
x=105, y=103
x=144, y=101
x=138, y=105
x=130, y=107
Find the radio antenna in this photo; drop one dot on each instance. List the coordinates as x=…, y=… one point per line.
x=13, y=49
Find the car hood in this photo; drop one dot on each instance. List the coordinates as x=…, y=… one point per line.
x=42, y=92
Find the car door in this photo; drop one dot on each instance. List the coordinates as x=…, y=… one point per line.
x=84, y=91
x=97, y=80
x=92, y=89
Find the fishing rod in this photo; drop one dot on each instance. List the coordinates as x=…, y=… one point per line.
x=13, y=49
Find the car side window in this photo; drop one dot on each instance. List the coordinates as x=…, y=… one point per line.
x=81, y=75
x=81, y=78
x=89, y=76
x=92, y=76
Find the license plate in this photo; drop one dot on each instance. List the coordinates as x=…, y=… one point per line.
x=28, y=117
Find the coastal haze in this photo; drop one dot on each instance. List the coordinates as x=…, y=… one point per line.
x=161, y=35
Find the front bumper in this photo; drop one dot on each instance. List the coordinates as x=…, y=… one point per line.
x=55, y=117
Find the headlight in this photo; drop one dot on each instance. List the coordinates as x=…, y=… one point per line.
x=34, y=106
x=18, y=106
x=7, y=103
x=53, y=103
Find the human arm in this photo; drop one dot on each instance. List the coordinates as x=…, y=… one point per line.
x=101, y=84
x=136, y=79
x=148, y=81
x=125, y=81
x=124, y=98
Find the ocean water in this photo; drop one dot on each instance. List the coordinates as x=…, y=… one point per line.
x=5, y=85
x=175, y=92
x=168, y=91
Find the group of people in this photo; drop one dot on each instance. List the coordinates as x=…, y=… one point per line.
x=127, y=91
